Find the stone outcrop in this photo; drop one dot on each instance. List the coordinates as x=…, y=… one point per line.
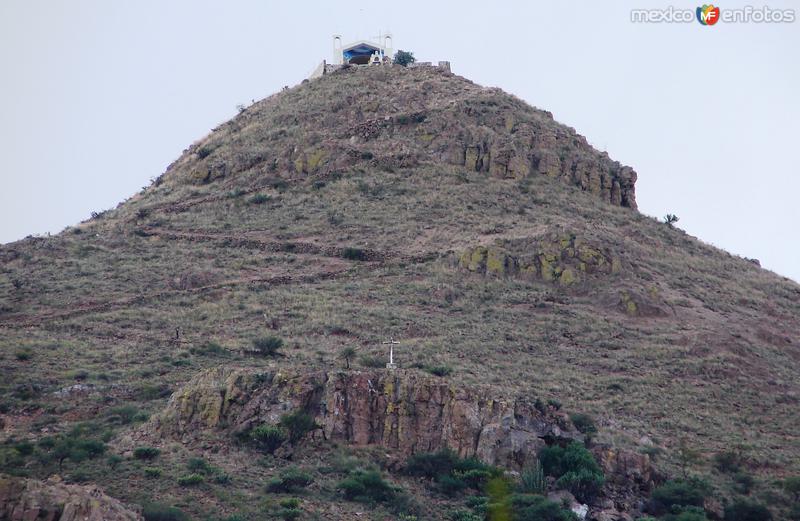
x=31, y=500
x=400, y=410
x=397, y=117
x=563, y=258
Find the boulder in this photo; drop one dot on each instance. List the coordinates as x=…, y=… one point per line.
x=31, y=500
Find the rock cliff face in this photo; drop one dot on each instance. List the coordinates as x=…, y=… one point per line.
x=399, y=410
x=30, y=500
x=564, y=258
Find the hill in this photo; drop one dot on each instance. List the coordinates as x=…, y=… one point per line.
x=501, y=251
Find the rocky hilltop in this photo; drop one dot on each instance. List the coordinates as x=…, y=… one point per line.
x=555, y=340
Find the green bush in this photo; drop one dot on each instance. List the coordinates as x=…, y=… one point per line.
x=584, y=484
x=23, y=355
x=71, y=446
x=742, y=510
x=584, y=423
x=298, y=424
x=450, y=485
x=557, y=461
x=792, y=487
x=199, y=465
x=190, y=480
x=743, y=482
x=728, y=461
x=440, y=370
x=465, y=515
x=366, y=486
x=152, y=472
x=678, y=493
x=146, y=453
x=432, y=464
x=403, y=58
x=289, y=481
x=531, y=507
x=373, y=361
x=268, y=346
x=125, y=414
x=258, y=199
x=356, y=254
x=289, y=514
x=268, y=437
x=290, y=502
x=158, y=512
x=686, y=514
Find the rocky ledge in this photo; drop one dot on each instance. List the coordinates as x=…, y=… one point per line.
x=31, y=500
x=400, y=410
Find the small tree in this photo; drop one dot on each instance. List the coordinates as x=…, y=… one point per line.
x=348, y=353
x=404, y=58
x=670, y=219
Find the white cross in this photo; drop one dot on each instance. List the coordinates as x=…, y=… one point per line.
x=391, y=343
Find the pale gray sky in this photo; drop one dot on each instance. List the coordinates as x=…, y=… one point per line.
x=97, y=97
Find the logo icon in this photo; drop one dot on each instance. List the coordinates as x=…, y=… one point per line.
x=708, y=14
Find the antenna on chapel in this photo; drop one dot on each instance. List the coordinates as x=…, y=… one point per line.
x=337, y=49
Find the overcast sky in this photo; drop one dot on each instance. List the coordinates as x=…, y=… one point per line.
x=97, y=97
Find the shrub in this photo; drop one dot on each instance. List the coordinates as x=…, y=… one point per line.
x=290, y=502
x=530, y=507
x=190, y=480
x=290, y=514
x=152, y=472
x=289, y=481
x=373, y=361
x=687, y=514
x=158, y=512
x=199, y=465
x=670, y=219
x=356, y=254
x=679, y=493
x=584, y=423
x=432, y=464
x=464, y=515
x=146, y=453
x=268, y=346
x=209, y=349
x=440, y=370
x=268, y=437
x=584, y=484
x=450, y=485
x=532, y=479
x=557, y=461
x=747, y=511
x=23, y=355
x=792, y=487
x=404, y=58
x=727, y=461
x=125, y=414
x=743, y=482
x=204, y=152
x=113, y=460
x=298, y=424
x=366, y=486
x=72, y=447
x=258, y=199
